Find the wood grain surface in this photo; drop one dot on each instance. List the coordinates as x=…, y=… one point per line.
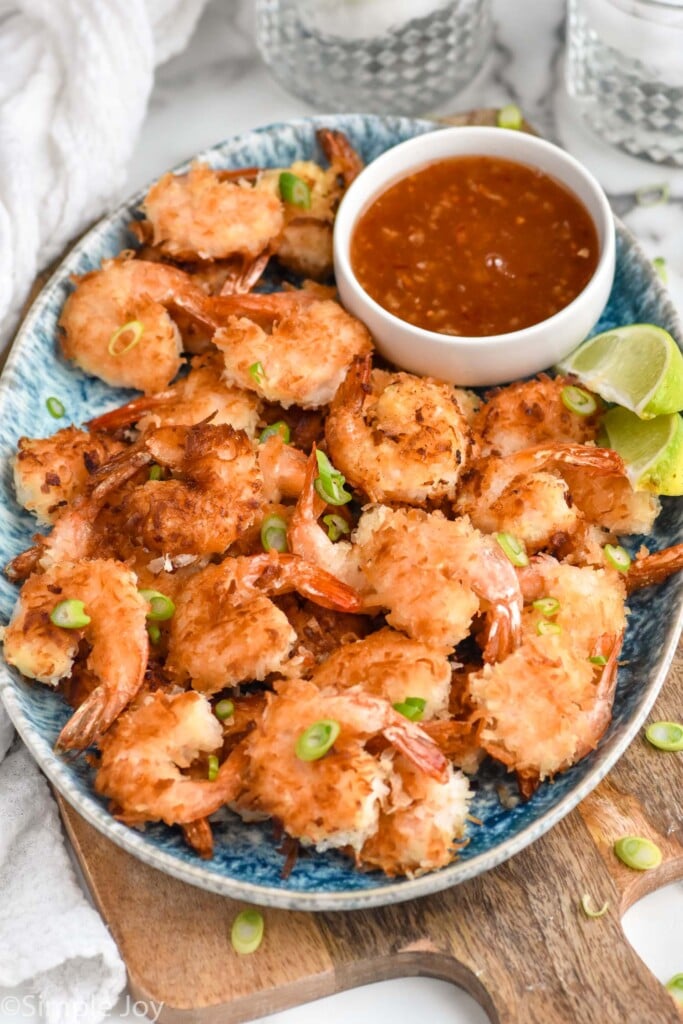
x=515, y=938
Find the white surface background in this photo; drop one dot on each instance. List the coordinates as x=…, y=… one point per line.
x=218, y=88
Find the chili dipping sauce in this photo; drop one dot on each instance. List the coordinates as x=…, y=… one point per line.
x=474, y=245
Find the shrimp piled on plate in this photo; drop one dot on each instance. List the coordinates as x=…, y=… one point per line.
x=292, y=582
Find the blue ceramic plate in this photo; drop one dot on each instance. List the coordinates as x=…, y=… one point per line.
x=247, y=864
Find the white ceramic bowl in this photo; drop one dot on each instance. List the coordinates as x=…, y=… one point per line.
x=498, y=358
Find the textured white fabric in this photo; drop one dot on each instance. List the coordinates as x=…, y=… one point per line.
x=75, y=78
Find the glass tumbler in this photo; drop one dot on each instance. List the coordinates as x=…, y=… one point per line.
x=624, y=70
x=382, y=56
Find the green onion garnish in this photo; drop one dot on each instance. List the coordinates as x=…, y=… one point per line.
x=134, y=327
x=214, y=765
x=69, y=614
x=547, y=606
x=156, y=473
x=674, y=987
x=665, y=735
x=653, y=195
x=314, y=742
x=274, y=534
x=160, y=606
x=329, y=483
x=412, y=708
x=545, y=628
x=513, y=548
x=577, y=400
x=598, y=659
x=294, y=190
x=247, y=932
x=659, y=263
x=224, y=709
x=617, y=557
x=257, y=373
x=280, y=428
x=638, y=853
x=336, y=526
x=153, y=632
x=589, y=911
x=510, y=116
x=55, y=407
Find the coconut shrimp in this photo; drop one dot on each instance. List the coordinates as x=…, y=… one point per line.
x=146, y=755
x=332, y=802
x=226, y=630
x=548, y=704
x=397, y=437
x=201, y=395
x=50, y=472
x=115, y=634
x=390, y=665
x=289, y=347
x=208, y=215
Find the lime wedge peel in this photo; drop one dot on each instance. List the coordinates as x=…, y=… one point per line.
x=639, y=367
x=652, y=450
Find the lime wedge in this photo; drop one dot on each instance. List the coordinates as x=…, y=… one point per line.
x=651, y=449
x=639, y=367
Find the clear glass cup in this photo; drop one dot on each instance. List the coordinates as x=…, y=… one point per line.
x=383, y=56
x=624, y=70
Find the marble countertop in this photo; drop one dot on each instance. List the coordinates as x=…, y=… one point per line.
x=219, y=87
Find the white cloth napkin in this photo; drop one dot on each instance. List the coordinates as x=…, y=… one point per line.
x=75, y=78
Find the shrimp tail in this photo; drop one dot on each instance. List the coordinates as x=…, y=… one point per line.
x=246, y=276
x=654, y=568
x=600, y=461
x=340, y=153
x=199, y=836
x=87, y=724
x=419, y=749
x=608, y=645
x=282, y=573
x=129, y=413
x=356, y=385
x=25, y=563
x=528, y=782
x=504, y=631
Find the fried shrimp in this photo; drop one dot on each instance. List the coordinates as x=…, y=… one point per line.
x=226, y=630
x=50, y=472
x=201, y=215
x=390, y=665
x=201, y=395
x=145, y=757
x=333, y=801
x=116, y=325
x=397, y=437
x=115, y=634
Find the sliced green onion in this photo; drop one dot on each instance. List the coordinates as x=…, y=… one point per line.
x=134, y=327
x=589, y=910
x=617, y=557
x=224, y=709
x=214, y=765
x=55, y=407
x=156, y=473
x=160, y=606
x=510, y=116
x=547, y=606
x=329, y=483
x=412, y=708
x=665, y=735
x=674, y=987
x=280, y=428
x=294, y=190
x=513, y=548
x=546, y=628
x=577, y=400
x=336, y=526
x=274, y=534
x=257, y=373
x=598, y=659
x=153, y=632
x=314, y=742
x=653, y=195
x=659, y=263
x=69, y=614
x=638, y=853
x=247, y=932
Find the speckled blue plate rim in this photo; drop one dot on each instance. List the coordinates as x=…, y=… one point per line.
x=135, y=842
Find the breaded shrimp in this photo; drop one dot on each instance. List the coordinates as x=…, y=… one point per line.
x=201, y=215
x=50, y=472
x=116, y=636
x=116, y=325
x=397, y=437
x=226, y=630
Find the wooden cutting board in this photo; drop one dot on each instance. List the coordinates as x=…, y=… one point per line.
x=515, y=938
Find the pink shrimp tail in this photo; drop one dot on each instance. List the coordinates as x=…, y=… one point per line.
x=601, y=461
x=654, y=568
x=504, y=632
x=419, y=749
x=340, y=153
x=130, y=413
